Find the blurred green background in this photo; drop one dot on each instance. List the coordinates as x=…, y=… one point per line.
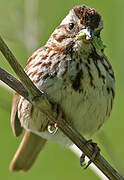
x=26, y=25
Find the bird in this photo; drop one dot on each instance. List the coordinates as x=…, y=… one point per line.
x=77, y=79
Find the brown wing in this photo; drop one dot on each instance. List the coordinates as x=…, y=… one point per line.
x=27, y=152
x=30, y=146
x=15, y=122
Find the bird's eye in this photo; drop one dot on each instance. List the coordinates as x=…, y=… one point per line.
x=71, y=26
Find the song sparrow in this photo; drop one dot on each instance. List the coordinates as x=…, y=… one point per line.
x=75, y=74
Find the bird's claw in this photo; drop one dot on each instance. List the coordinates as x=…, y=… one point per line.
x=52, y=128
x=93, y=157
x=82, y=160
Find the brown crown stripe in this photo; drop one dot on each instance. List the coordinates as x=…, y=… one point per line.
x=88, y=16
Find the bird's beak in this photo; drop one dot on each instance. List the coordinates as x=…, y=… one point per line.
x=86, y=34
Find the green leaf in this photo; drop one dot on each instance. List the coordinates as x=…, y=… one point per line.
x=97, y=42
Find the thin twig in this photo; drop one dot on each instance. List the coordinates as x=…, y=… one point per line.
x=18, y=69
x=13, y=83
x=42, y=103
x=2, y=84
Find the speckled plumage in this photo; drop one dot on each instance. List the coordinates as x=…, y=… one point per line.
x=73, y=74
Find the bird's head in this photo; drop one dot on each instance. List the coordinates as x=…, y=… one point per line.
x=78, y=27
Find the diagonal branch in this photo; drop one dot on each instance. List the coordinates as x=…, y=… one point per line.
x=33, y=91
x=13, y=83
x=37, y=98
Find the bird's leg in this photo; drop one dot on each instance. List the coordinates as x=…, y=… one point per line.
x=94, y=155
x=52, y=128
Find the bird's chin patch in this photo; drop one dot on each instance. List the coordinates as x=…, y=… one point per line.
x=86, y=41
x=82, y=45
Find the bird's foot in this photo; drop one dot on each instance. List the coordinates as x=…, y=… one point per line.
x=53, y=128
x=93, y=157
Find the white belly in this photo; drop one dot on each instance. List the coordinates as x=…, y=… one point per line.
x=86, y=111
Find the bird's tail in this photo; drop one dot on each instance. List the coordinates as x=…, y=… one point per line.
x=27, y=152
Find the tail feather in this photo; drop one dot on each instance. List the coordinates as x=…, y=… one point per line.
x=27, y=152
